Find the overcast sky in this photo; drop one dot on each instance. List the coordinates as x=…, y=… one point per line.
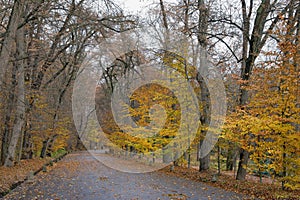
x=136, y=6
x=133, y=6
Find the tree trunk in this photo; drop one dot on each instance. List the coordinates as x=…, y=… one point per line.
x=47, y=146
x=27, y=145
x=44, y=148
x=8, y=42
x=229, y=161
x=245, y=74
x=204, y=161
x=20, y=96
x=165, y=24
x=231, y=157
x=10, y=104
x=219, y=159
x=242, y=170
x=202, y=39
x=18, y=122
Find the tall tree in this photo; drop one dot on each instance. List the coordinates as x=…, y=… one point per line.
x=42, y=42
x=253, y=43
x=20, y=96
x=256, y=24
x=204, y=98
x=13, y=44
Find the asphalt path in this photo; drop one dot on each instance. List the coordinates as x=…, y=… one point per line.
x=81, y=176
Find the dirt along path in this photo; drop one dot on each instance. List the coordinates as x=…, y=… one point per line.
x=81, y=176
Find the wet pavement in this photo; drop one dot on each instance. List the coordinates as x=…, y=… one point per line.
x=81, y=176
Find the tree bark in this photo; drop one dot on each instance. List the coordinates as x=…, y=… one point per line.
x=242, y=172
x=7, y=123
x=205, y=100
x=47, y=146
x=8, y=42
x=165, y=24
x=20, y=96
x=44, y=148
x=8, y=48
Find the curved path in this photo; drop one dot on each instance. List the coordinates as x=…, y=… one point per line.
x=81, y=176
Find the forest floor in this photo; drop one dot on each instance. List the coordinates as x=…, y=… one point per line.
x=250, y=187
x=10, y=176
x=81, y=176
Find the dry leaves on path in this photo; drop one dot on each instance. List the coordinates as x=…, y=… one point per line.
x=12, y=175
x=227, y=182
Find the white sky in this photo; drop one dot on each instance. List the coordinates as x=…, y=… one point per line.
x=138, y=7
x=134, y=6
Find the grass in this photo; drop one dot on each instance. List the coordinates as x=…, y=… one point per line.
x=58, y=153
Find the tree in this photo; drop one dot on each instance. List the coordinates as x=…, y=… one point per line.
x=20, y=97
x=43, y=45
x=13, y=42
x=252, y=46
x=268, y=126
x=256, y=27
x=269, y=121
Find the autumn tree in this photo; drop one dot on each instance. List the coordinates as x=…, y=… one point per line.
x=253, y=31
x=271, y=117
x=43, y=46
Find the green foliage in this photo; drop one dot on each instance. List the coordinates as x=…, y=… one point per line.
x=58, y=153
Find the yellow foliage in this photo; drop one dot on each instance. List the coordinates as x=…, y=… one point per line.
x=268, y=127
